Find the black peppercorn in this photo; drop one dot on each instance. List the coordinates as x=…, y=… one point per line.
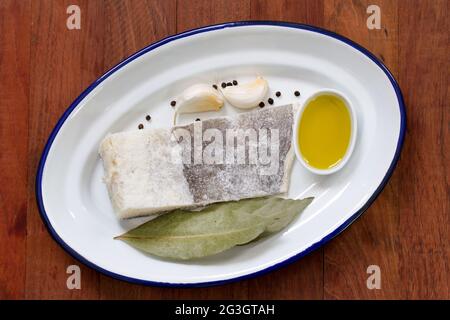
x=148, y=118
x=278, y=94
x=173, y=103
x=297, y=93
x=141, y=126
x=235, y=82
x=261, y=104
x=214, y=86
x=223, y=84
x=270, y=101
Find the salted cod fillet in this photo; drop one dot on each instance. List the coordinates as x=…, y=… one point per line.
x=148, y=171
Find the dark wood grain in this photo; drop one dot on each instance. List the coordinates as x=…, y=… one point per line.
x=301, y=11
x=14, y=102
x=44, y=66
x=132, y=25
x=63, y=62
x=194, y=14
x=374, y=238
x=424, y=195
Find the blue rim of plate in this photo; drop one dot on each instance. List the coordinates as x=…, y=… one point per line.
x=185, y=34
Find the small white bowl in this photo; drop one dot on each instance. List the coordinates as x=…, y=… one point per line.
x=353, y=132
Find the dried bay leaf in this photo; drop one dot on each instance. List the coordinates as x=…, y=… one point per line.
x=281, y=213
x=183, y=234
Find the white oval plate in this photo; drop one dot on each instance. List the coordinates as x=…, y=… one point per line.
x=74, y=203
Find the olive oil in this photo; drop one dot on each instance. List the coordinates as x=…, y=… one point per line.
x=324, y=131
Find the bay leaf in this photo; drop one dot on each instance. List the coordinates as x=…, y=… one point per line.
x=183, y=234
x=281, y=213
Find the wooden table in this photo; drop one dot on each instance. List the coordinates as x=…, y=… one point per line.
x=44, y=66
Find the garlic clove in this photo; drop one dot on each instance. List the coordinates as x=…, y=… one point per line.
x=247, y=95
x=199, y=98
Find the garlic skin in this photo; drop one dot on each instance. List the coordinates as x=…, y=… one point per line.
x=247, y=95
x=198, y=98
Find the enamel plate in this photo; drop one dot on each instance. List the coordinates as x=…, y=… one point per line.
x=73, y=200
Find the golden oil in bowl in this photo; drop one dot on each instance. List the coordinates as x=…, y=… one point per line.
x=325, y=132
